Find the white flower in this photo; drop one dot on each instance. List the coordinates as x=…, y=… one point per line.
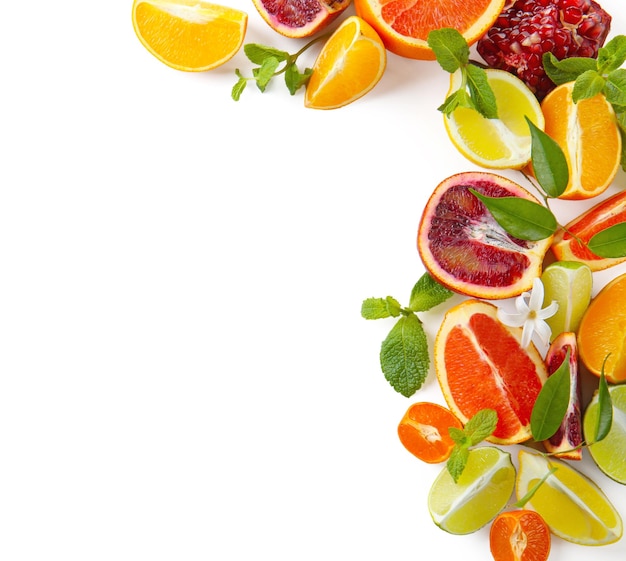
x=530, y=315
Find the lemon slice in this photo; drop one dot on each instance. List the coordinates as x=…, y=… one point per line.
x=569, y=283
x=481, y=492
x=496, y=143
x=572, y=505
x=610, y=453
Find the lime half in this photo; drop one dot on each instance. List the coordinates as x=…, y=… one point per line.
x=610, y=453
x=569, y=284
x=481, y=492
x=572, y=505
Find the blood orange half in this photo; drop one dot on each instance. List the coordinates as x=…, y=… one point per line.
x=465, y=249
x=569, y=243
x=481, y=364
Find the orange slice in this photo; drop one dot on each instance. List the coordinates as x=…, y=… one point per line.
x=189, y=35
x=481, y=364
x=569, y=243
x=404, y=25
x=602, y=332
x=520, y=535
x=349, y=65
x=588, y=134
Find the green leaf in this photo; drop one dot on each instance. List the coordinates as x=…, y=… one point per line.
x=481, y=92
x=615, y=88
x=380, y=308
x=265, y=72
x=612, y=55
x=605, y=408
x=481, y=425
x=588, y=84
x=610, y=242
x=568, y=69
x=552, y=402
x=458, y=435
x=549, y=162
x=457, y=461
x=238, y=87
x=459, y=98
x=523, y=219
x=450, y=48
x=427, y=293
x=258, y=53
x=404, y=355
x=294, y=79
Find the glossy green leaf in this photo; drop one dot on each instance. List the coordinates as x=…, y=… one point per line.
x=610, y=242
x=522, y=218
x=605, y=407
x=552, y=403
x=549, y=163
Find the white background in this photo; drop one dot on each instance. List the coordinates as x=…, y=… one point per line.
x=185, y=374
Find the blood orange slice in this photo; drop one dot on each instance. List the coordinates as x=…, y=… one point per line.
x=569, y=243
x=465, y=249
x=481, y=364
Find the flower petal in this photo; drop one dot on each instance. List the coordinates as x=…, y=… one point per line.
x=536, y=295
x=512, y=319
x=542, y=329
x=548, y=311
x=527, y=333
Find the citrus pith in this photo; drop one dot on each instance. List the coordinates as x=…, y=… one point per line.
x=189, y=35
x=480, y=364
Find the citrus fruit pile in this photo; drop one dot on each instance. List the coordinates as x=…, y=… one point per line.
x=532, y=321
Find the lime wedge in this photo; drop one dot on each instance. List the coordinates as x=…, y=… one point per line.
x=572, y=505
x=478, y=496
x=569, y=283
x=610, y=453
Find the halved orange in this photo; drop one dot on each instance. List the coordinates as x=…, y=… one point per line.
x=569, y=243
x=423, y=431
x=481, y=364
x=465, y=249
x=520, y=535
x=588, y=134
x=404, y=25
x=602, y=332
x=190, y=35
x=349, y=65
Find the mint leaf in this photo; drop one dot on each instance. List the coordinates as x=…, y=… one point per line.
x=379, y=308
x=612, y=55
x=549, y=162
x=605, y=408
x=568, y=69
x=481, y=92
x=404, y=355
x=615, y=89
x=459, y=98
x=457, y=461
x=587, y=85
x=450, y=48
x=265, y=72
x=552, y=402
x=458, y=435
x=481, y=425
x=258, y=53
x=294, y=79
x=523, y=219
x=427, y=293
x=238, y=87
x=610, y=242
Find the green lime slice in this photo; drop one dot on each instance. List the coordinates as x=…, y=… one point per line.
x=610, y=453
x=481, y=492
x=569, y=283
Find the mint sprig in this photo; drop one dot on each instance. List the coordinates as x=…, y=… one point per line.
x=452, y=53
x=404, y=356
x=268, y=60
x=477, y=429
x=593, y=76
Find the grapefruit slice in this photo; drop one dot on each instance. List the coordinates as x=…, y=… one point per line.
x=299, y=18
x=569, y=243
x=466, y=250
x=481, y=364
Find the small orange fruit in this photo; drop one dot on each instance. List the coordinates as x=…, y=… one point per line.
x=423, y=431
x=465, y=249
x=299, y=18
x=190, y=35
x=349, y=65
x=519, y=535
x=588, y=134
x=404, y=26
x=480, y=364
x=602, y=332
x=569, y=243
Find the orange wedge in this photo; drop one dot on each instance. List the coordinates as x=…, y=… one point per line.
x=404, y=26
x=349, y=65
x=189, y=35
x=588, y=134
